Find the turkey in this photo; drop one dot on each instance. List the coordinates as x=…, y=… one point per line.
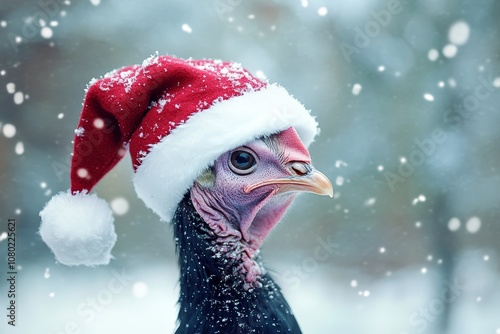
x=221, y=223
x=217, y=152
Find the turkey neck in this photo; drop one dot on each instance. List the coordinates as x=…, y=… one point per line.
x=213, y=296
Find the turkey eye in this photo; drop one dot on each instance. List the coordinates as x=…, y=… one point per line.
x=242, y=161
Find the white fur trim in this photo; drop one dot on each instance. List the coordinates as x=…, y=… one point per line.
x=173, y=164
x=78, y=229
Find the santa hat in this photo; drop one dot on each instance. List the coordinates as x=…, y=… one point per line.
x=176, y=117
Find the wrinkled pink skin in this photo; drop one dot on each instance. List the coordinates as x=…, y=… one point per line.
x=243, y=220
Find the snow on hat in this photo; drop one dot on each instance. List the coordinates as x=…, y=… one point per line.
x=176, y=117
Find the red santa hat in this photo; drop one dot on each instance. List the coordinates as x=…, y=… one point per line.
x=176, y=117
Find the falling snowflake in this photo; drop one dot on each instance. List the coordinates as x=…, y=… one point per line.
x=433, y=54
x=473, y=225
x=82, y=173
x=18, y=98
x=454, y=224
x=429, y=97
x=340, y=163
x=370, y=201
x=450, y=51
x=322, y=11
x=46, y=32
x=187, y=28
x=119, y=206
x=11, y=88
x=356, y=89
x=19, y=148
x=339, y=180
x=459, y=33
x=496, y=82
x=140, y=289
x=9, y=130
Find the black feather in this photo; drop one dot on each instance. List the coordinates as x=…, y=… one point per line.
x=212, y=297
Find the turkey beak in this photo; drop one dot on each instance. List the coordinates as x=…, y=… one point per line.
x=304, y=178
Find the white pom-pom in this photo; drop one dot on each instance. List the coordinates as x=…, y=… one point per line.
x=78, y=229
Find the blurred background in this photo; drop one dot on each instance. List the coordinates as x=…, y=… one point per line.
x=407, y=95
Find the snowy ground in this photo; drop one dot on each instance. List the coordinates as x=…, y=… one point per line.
x=142, y=300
